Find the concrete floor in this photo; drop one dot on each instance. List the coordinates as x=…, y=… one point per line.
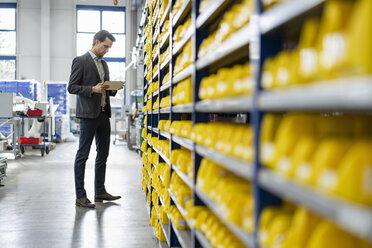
x=38, y=203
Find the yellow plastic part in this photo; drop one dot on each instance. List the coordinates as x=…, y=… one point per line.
x=326, y=162
x=332, y=45
x=302, y=227
x=360, y=38
x=328, y=235
x=355, y=174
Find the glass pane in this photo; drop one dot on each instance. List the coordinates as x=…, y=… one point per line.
x=118, y=47
x=7, y=18
x=7, y=69
x=88, y=21
x=113, y=21
x=84, y=43
x=8, y=43
x=116, y=70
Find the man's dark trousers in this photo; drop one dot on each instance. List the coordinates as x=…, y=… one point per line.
x=100, y=129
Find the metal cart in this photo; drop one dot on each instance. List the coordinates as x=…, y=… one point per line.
x=47, y=137
x=15, y=134
x=3, y=166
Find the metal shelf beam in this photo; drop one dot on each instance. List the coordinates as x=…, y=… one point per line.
x=284, y=12
x=202, y=239
x=183, y=176
x=226, y=105
x=166, y=13
x=184, y=108
x=187, y=143
x=177, y=48
x=183, y=74
x=347, y=94
x=165, y=110
x=236, y=41
x=166, y=41
x=182, y=12
x=244, y=237
x=356, y=219
x=210, y=13
x=165, y=86
x=239, y=167
x=165, y=134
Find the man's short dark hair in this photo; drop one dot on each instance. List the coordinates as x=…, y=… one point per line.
x=102, y=35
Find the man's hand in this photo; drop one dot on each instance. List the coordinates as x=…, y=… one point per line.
x=99, y=88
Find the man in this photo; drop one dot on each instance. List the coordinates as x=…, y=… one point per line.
x=88, y=72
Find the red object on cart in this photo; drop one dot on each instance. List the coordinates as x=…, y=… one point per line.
x=29, y=141
x=34, y=112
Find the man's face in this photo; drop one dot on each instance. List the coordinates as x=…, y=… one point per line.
x=101, y=48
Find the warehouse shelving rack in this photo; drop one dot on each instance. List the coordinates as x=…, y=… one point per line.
x=261, y=38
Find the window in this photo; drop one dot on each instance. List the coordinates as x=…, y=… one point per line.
x=91, y=19
x=8, y=41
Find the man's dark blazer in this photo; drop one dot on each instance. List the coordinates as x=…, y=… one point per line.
x=84, y=75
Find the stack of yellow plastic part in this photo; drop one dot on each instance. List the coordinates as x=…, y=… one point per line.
x=164, y=56
x=327, y=152
x=156, y=104
x=335, y=46
x=165, y=102
x=159, y=232
x=165, y=79
x=181, y=31
x=150, y=5
x=182, y=192
x=228, y=138
x=285, y=227
x=154, y=141
x=162, y=215
x=182, y=92
x=167, y=126
x=228, y=82
x=144, y=133
x=155, y=12
x=147, y=61
x=192, y=213
x=163, y=7
x=163, y=146
x=359, y=33
x=164, y=172
x=145, y=121
x=162, y=124
x=176, y=7
x=203, y=5
x=229, y=191
x=148, y=106
x=181, y=159
x=144, y=158
x=184, y=59
x=236, y=18
x=156, y=68
x=214, y=230
x=155, y=51
x=145, y=179
x=177, y=218
x=153, y=87
x=149, y=75
x=165, y=32
x=144, y=146
x=181, y=128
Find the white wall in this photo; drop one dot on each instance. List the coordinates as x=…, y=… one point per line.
x=61, y=40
